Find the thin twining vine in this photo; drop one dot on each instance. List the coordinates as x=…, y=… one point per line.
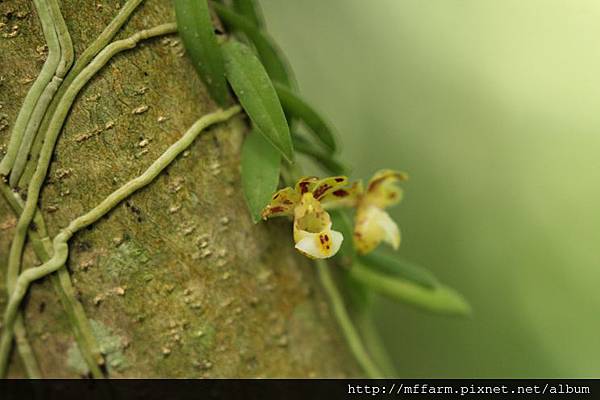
x=22, y=178
x=35, y=120
x=38, y=87
x=60, y=243
x=42, y=246
x=51, y=136
x=47, y=101
x=60, y=58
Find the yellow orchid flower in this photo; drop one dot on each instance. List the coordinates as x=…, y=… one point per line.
x=373, y=224
x=312, y=229
x=306, y=203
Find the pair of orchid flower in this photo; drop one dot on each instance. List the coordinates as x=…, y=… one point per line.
x=309, y=199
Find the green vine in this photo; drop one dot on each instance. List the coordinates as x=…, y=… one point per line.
x=37, y=88
x=41, y=109
x=24, y=177
x=60, y=243
x=42, y=104
x=60, y=57
x=42, y=246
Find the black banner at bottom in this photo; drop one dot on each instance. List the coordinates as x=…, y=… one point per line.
x=298, y=389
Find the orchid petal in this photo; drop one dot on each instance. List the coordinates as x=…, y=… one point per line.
x=342, y=197
x=320, y=245
x=326, y=186
x=282, y=203
x=312, y=229
x=306, y=184
x=373, y=225
x=382, y=190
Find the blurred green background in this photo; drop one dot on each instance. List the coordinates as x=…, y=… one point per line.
x=493, y=109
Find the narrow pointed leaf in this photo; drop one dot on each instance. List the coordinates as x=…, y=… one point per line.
x=197, y=32
x=441, y=299
x=298, y=108
x=255, y=91
x=260, y=172
x=251, y=10
x=390, y=264
x=271, y=57
x=327, y=160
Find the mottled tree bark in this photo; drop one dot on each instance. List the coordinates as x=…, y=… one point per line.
x=177, y=281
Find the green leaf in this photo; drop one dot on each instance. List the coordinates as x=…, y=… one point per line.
x=251, y=10
x=391, y=264
x=298, y=108
x=255, y=91
x=440, y=299
x=196, y=29
x=269, y=54
x=260, y=172
x=324, y=158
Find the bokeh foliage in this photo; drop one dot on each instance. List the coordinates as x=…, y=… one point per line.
x=492, y=107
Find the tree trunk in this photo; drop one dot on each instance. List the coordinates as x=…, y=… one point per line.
x=176, y=281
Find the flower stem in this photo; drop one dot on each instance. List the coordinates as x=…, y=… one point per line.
x=374, y=343
x=348, y=329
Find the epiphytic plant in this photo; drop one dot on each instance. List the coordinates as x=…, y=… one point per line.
x=265, y=86
x=248, y=60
